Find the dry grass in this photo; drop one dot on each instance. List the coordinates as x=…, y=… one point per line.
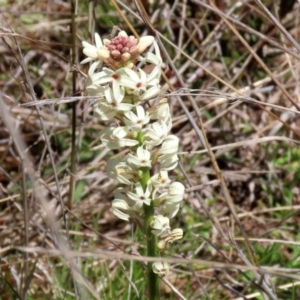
x=232, y=80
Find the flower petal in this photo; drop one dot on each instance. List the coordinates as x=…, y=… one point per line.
x=145, y=42
x=98, y=41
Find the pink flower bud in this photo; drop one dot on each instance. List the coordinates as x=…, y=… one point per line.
x=124, y=49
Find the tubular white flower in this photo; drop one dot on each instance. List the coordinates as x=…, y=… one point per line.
x=95, y=78
x=144, y=86
x=176, y=191
x=104, y=111
x=125, y=208
x=161, y=111
x=151, y=57
x=170, y=145
x=91, y=73
x=173, y=197
x=94, y=90
x=117, y=137
x=107, y=75
x=140, y=196
x=160, y=268
x=155, y=134
x=150, y=93
x=115, y=97
x=136, y=120
x=108, y=109
x=121, y=172
x=120, y=193
x=119, y=209
x=169, y=209
x=141, y=159
x=168, y=161
x=145, y=42
x=92, y=52
x=160, y=225
x=160, y=180
x=175, y=234
x=167, y=154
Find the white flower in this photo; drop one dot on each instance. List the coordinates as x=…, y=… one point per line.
x=151, y=57
x=108, y=109
x=173, y=196
x=119, y=209
x=144, y=86
x=120, y=193
x=169, y=209
x=160, y=225
x=121, y=172
x=145, y=42
x=91, y=73
x=123, y=211
x=160, y=179
x=106, y=76
x=104, y=111
x=140, y=196
x=138, y=119
x=115, y=97
x=117, y=78
x=150, y=93
x=168, y=161
x=169, y=202
x=175, y=234
x=123, y=207
x=141, y=159
x=160, y=268
x=92, y=52
x=117, y=137
x=161, y=111
x=176, y=191
x=96, y=91
x=167, y=154
x=138, y=84
x=155, y=134
x=170, y=145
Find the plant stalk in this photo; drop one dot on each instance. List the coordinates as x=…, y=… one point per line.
x=152, y=250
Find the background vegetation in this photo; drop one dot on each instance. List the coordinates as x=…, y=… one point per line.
x=233, y=85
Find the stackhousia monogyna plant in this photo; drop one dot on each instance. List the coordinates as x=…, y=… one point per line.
x=118, y=76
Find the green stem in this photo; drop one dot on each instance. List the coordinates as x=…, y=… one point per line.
x=152, y=250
